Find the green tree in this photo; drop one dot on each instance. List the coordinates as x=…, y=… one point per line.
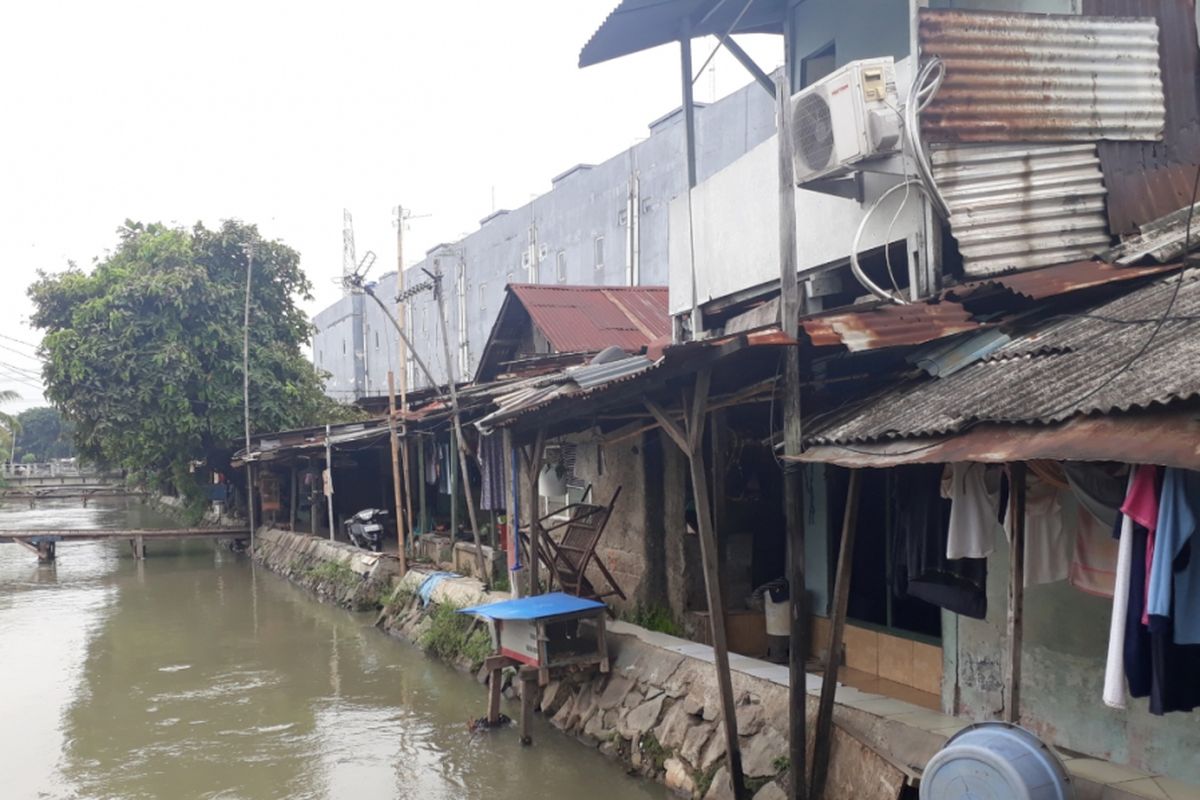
x=8, y=424
x=143, y=354
x=44, y=434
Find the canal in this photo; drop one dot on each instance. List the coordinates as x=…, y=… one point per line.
x=194, y=674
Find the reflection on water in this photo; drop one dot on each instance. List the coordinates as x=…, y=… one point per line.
x=192, y=674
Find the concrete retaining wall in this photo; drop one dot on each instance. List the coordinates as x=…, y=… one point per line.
x=337, y=572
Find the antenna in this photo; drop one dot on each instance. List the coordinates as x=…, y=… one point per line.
x=349, y=258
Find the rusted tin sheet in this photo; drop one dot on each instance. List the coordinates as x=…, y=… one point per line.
x=1039, y=284
x=888, y=325
x=1167, y=438
x=591, y=318
x=1119, y=355
x=1013, y=77
x=1022, y=206
x=1149, y=179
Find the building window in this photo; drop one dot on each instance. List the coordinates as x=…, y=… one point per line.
x=508, y=279
x=482, y=297
x=320, y=356
x=818, y=65
x=560, y=266
x=343, y=347
x=376, y=340
x=598, y=252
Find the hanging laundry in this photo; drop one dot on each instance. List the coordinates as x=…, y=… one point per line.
x=1136, y=647
x=1100, y=488
x=1114, y=667
x=973, y=494
x=1047, y=543
x=1142, y=505
x=491, y=472
x=1175, y=573
x=921, y=568
x=431, y=465
x=1095, y=555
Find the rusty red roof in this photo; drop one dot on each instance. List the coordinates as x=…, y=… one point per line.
x=591, y=318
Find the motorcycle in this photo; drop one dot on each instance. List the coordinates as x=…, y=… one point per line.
x=365, y=529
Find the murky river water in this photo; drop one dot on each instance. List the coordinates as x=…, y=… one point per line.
x=193, y=674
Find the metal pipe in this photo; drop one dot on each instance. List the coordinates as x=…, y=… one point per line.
x=329, y=480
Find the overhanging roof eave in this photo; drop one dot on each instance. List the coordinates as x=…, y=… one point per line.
x=637, y=25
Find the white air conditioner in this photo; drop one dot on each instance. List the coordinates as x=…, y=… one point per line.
x=847, y=117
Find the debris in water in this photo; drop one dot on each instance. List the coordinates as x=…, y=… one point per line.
x=482, y=725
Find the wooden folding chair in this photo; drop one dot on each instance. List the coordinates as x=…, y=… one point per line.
x=568, y=559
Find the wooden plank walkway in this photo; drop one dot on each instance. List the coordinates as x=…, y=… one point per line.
x=149, y=535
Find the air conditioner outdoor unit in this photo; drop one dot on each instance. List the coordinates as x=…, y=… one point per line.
x=847, y=117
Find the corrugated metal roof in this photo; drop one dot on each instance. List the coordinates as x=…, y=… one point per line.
x=879, y=326
x=590, y=375
x=1013, y=77
x=1039, y=284
x=1149, y=179
x=1021, y=206
x=1078, y=364
x=591, y=318
x=1167, y=438
x=636, y=25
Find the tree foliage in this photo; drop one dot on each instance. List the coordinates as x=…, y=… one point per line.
x=43, y=434
x=143, y=353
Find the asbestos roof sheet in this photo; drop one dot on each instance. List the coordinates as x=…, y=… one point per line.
x=591, y=318
x=1014, y=77
x=1021, y=206
x=1107, y=359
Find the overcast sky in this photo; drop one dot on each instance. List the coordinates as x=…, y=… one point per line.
x=284, y=113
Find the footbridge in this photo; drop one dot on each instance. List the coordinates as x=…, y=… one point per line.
x=45, y=542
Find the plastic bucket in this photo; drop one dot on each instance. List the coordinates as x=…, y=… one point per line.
x=995, y=760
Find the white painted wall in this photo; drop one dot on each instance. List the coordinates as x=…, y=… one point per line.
x=735, y=216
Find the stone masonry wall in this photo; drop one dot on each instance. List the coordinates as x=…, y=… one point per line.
x=343, y=574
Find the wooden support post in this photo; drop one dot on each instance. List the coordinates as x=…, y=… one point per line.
x=422, y=501
x=823, y=735
x=452, y=482
x=494, y=688
x=529, y=692
x=1016, y=594
x=691, y=442
x=533, y=468
x=293, y=500
x=793, y=488
x=512, y=504
x=395, y=439
x=138, y=545
x=45, y=552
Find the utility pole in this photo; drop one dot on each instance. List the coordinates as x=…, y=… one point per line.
x=405, y=526
x=461, y=443
x=434, y=283
x=246, y=390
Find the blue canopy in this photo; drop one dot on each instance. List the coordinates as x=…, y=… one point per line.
x=538, y=607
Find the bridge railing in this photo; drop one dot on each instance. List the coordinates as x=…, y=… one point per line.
x=45, y=469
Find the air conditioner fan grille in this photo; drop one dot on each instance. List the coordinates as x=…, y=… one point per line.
x=812, y=127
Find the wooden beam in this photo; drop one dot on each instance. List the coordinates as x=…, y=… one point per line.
x=746, y=61
x=512, y=487
x=1016, y=594
x=712, y=583
x=668, y=425
x=823, y=734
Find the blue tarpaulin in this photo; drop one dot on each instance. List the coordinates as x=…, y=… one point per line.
x=425, y=591
x=538, y=607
